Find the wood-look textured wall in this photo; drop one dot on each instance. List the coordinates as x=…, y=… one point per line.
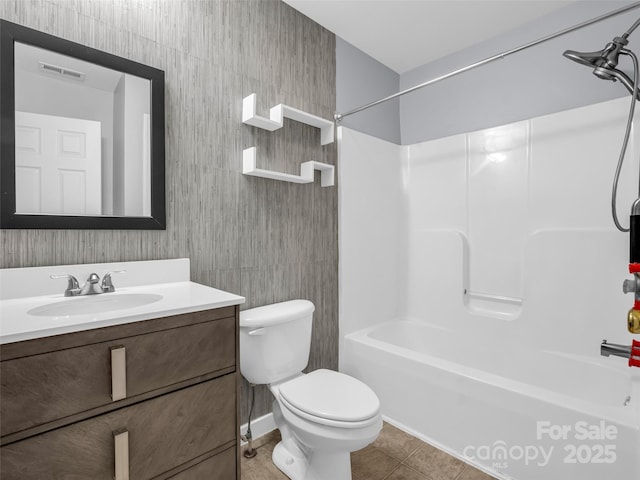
x=266, y=240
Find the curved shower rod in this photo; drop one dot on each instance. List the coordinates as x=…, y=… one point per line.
x=337, y=116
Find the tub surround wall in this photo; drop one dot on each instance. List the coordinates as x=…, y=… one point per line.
x=266, y=240
x=371, y=230
x=562, y=165
x=549, y=245
x=528, y=243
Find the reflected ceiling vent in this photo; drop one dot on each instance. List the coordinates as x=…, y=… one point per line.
x=62, y=71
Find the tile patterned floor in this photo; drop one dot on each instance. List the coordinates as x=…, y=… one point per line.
x=395, y=455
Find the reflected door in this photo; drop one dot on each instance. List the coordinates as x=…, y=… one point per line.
x=58, y=165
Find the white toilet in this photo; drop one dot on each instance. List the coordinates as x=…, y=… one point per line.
x=323, y=415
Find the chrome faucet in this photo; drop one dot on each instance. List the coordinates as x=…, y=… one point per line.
x=93, y=286
x=632, y=352
x=614, y=349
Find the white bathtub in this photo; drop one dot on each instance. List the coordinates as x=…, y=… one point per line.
x=539, y=415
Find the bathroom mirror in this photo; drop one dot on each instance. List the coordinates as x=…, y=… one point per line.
x=82, y=136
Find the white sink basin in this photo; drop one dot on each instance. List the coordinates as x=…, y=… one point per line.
x=87, y=305
x=32, y=304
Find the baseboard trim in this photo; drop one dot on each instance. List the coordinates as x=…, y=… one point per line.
x=259, y=427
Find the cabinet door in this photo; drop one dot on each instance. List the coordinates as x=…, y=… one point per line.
x=163, y=433
x=42, y=388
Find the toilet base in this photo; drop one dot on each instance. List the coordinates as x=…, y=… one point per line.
x=319, y=466
x=292, y=466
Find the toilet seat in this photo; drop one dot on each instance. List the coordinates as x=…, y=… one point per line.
x=330, y=398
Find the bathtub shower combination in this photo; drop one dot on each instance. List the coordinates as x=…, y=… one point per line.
x=482, y=336
x=480, y=296
x=496, y=277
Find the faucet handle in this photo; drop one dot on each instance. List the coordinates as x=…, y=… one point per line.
x=73, y=287
x=107, y=284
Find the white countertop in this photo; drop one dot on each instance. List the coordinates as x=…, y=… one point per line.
x=178, y=297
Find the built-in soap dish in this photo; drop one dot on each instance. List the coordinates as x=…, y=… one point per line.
x=497, y=306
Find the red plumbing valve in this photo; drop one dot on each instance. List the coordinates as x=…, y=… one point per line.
x=633, y=285
x=634, y=357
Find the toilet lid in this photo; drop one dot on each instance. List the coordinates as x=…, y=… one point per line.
x=331, y=395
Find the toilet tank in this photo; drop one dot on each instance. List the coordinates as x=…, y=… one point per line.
x=275, y=341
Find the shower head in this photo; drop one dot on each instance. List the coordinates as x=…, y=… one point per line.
x=605, y=62
x=590, y=59
x=607, y=56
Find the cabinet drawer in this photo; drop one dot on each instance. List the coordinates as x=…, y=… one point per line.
x=49, y=386
x=218, y=467
x=163, y=433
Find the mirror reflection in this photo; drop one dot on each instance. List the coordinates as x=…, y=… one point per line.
x=82, y=137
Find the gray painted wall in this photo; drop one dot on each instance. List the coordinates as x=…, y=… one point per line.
x=530, y=83
x=266, y=240
x=360, y=79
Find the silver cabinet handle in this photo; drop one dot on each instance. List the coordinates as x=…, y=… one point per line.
x=121, y=456
x=118, y=373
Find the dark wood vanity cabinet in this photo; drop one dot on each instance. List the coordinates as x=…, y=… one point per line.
x=155, y=399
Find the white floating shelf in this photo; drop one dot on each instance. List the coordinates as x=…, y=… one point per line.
x=306, y=170
x=277, y=114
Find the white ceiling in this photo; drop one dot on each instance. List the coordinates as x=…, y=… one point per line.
x=404, y=34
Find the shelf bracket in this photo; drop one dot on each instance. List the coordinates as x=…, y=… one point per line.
x=277, y=115
x=306, y=170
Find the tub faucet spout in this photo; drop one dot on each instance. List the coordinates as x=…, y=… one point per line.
x=632, y=352
x=607, y=349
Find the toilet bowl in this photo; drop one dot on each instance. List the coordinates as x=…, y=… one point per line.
x=323, y=415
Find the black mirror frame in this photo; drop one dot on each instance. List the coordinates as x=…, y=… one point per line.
x=11, y=33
